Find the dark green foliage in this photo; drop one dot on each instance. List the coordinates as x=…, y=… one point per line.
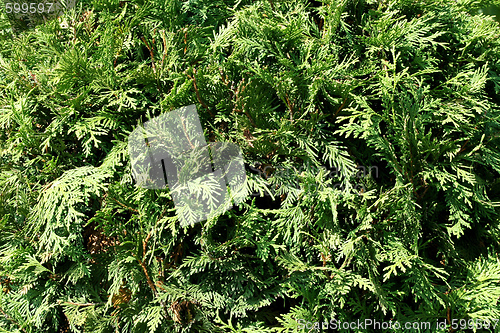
x=370, y=132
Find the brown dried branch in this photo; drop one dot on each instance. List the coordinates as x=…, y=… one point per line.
x=148, y=279
x=164, y=48
x=272, y=4
x=81, y=304
x=340, y=108
x=150, y=54
x=185, y=133
x=198, y=92
x=124, y=206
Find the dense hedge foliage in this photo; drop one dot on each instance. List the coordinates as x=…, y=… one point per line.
x=370, y=132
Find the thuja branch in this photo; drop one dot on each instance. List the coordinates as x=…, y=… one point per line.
x=236, y=96
x=12, y=320
x=142, y=261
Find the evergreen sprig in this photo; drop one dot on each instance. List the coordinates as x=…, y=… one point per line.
x=370, y=134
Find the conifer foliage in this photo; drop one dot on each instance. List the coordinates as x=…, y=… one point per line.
x=370, y=132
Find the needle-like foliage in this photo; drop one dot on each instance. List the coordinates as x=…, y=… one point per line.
x=370, y=132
